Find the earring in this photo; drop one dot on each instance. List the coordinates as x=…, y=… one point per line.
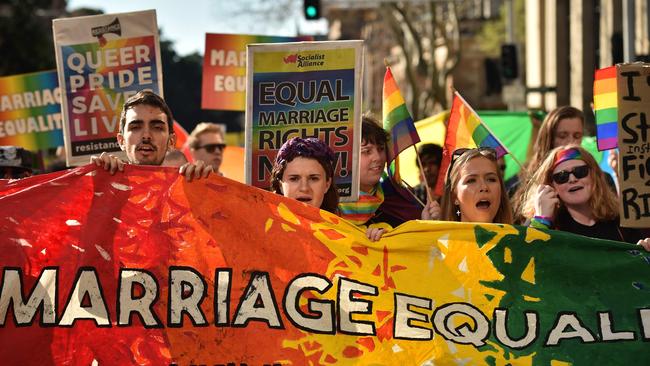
x=458, y=211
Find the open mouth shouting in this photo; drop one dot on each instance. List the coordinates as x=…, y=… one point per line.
x=304, y=199
x=483, y=204
x=575, y=189
x=145, y=149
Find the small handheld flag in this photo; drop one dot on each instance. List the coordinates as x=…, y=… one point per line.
x=606, y=108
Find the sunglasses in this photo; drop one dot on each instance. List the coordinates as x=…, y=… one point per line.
x=487, y=152
x=211, y=148
x=562, y=176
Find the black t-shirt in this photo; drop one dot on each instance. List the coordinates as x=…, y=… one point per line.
x=609, y=230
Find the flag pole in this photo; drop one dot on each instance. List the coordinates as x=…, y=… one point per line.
x=410, y=190
x=488, y=128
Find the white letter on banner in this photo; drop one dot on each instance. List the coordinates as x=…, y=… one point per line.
x=644, y=315
x=348, y=306
x=606, y=329
x=568, y=320
x=44, y=292
x=76, y=82
x=222, y=296
x=142, y=305
x=86, y=284
x=266, y=309
x=77, y=66
x=444, y=320
x=404, y=315
x=216, y=57
x=186, y=292
x=501, y=329
x=319, y=324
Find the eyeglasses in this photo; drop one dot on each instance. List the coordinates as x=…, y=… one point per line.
x=211, y=148
x=579, y=172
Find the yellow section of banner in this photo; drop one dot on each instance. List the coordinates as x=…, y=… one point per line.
x=313, y=60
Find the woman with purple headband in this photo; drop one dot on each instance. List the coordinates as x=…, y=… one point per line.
x=569, y=193
x=304, y=171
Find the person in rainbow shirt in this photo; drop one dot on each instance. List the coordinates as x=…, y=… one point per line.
x=380, y=202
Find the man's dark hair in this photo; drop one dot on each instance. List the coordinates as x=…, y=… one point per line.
x=372, y=132
x=429, y=151
x=149, y=98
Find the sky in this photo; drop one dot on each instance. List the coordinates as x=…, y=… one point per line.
x=186, y=22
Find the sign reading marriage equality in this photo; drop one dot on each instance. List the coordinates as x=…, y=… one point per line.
x=224, y=69
x=30, y=114
x=102, y=60
x=139, y=268
x=304, y=89
x=633, y=91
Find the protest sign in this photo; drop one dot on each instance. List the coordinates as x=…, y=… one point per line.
x=633, y=88
x=30, y=113
x=224, y=69
x=306, y=89
x=102, y=60
x=140, y=268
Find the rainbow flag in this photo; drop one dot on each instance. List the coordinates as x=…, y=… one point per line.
x=398, y=121
x=606, y=108
x=465, y=129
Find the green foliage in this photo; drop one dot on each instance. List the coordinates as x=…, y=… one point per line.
x=493, y=33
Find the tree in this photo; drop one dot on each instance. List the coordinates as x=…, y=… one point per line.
x=429, y=39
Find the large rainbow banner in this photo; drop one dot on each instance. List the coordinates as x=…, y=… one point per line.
x=224, y=68
x=30, y=114
x=304, y=89
x=139, y=268
x=102, y=60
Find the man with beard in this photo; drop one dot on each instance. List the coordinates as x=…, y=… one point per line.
x=146, y=133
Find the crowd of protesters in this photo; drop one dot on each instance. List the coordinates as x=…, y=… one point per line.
x=560, y=187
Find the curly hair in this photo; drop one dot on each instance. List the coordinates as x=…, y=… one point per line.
x=147, y=97
x=310, y=148
x=603, y=202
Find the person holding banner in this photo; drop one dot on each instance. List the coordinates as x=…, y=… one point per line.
x=380, y=200
x=304, y=170
x=146, y=133
x=474, y=189
x=569, y=193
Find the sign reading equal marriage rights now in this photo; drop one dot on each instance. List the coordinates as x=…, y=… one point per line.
x=142, y=267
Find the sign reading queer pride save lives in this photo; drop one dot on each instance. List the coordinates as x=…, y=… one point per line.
x=102, y=60
x=139, y=268
x=30, y=112
x=304, y=89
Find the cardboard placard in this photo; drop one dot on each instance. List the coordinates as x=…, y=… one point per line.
x=306, y=89
x=634, y=143
x=103, y=60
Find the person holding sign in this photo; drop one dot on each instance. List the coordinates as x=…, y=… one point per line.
x=474, y=188
x=304, y=171
x=569, y=193
x=146, y=133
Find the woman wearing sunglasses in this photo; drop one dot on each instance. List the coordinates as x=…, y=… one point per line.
x=474, y=189
x=304, y=171
x=569, y=193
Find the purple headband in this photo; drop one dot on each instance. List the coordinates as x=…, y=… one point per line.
x=306, y=148
x=564, y=155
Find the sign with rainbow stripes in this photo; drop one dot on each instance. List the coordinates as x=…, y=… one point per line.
x=224, y=69
x=605, y=108
x=30, y=114
x=102, y=60
x=304, y=89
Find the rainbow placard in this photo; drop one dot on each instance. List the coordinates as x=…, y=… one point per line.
x=606, y=108
x=30, y=114
x=102, y=61
x=306, y=89
x=224, y=68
